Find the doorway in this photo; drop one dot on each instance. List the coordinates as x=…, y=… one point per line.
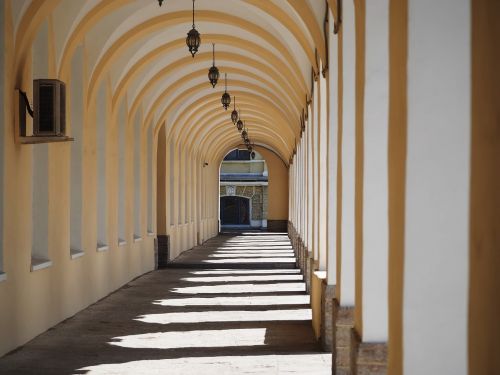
x=235, y=210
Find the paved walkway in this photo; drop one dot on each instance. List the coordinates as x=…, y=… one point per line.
x=244, y=318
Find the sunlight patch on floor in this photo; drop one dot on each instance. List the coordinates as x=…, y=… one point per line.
x=300, y=299
x=244, y=272
x=250, y=260
x=227, y=316
x=211, y=279
x=241, y=288
x=250, y=255
x=303, y=364
x=193, y=339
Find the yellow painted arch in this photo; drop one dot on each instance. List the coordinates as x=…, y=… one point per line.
x=280, y=68
x=251, y=115
x=170, y=19
x=204, y=132
x=205, y=56
x=192, y=90
x=222, y=133
x=36, y=13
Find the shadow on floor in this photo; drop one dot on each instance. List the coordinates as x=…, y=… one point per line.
x=186, y=321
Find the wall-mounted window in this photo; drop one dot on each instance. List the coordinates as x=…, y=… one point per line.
x=102, y=201
x=137, y=176
x=2, y=140
x=149, y=152
x=122, y=131
x=171, y=172
x=40, y=168
x=76, y=116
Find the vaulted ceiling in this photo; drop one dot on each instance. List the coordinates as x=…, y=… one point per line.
x=267, y=48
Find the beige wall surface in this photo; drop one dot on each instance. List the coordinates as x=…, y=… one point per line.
x=33, y=301
x=278, y=185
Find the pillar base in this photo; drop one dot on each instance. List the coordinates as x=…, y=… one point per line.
x=327, y=325
x=309, y=269
x=343, y=356
x=371, y=358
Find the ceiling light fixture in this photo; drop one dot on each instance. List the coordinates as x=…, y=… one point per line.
x=193, y=38
x=226, y=98
x=213, y=72
x=234, y=114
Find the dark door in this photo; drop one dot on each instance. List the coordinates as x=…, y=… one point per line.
x=235, y=211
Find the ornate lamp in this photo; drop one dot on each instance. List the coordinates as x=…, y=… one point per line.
x=226, y=98
x=252, y=154
x=234, y=114
x=244, y=134
x=160, y=1
x=213, y=72
x=193, y=39
x=239, y=125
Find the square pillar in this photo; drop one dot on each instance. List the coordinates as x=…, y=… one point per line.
x=343, y=358
x=371, y=358
x=327, y=326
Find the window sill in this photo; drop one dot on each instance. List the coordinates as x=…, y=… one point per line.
x=38, y=264
x=102, y=247
x=3, y=276
x=121, y=242
x=75, y=254
x=31, y=140
x=137, y=238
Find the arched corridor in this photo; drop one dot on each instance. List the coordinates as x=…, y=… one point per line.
x=378, y=124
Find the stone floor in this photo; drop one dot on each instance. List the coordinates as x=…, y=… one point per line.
x=248, y=318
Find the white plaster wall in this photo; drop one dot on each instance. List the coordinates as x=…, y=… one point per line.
x=348, y=155
x=437, y=197
x=323, y=174
x=375, y=190
x=332, y=152
x=40, y=181
x=315, y=123
x=76, y=112
x=309, y=125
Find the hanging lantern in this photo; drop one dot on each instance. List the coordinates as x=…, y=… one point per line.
x=193, y=39
x=239, y=125
x=252, y=154
x=213, y=72
x=244, y=134
x=247, y=141
x=234, y=114
x=226, y=98
x=160, y=1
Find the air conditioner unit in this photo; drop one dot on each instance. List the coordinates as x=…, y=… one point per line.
x=49, y=102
